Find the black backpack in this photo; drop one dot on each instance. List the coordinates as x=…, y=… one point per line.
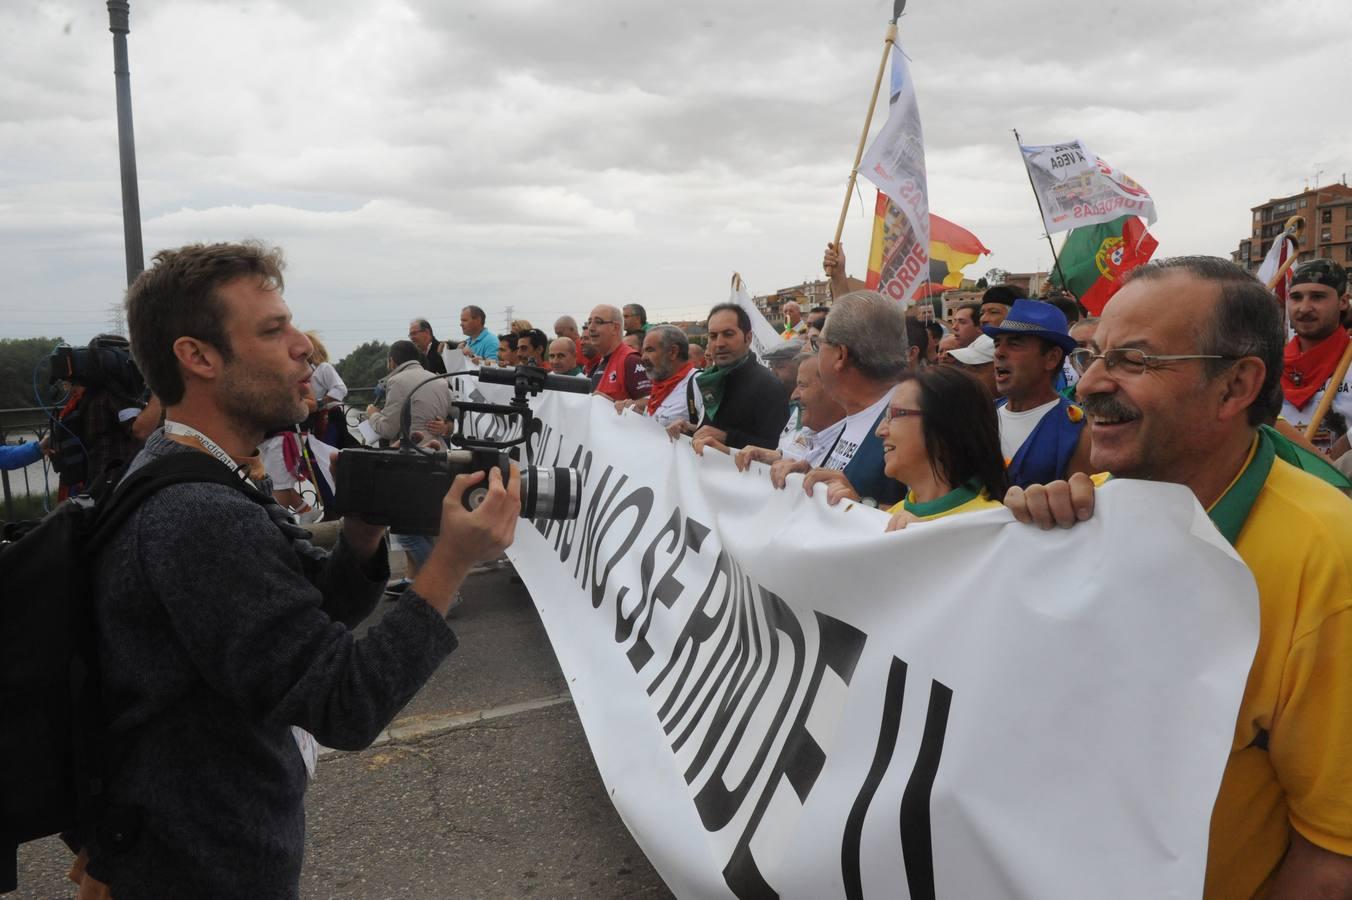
x=51, y=714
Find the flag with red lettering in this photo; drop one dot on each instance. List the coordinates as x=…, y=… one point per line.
x=951, y=249
x=1077, y=187
x=895, y=162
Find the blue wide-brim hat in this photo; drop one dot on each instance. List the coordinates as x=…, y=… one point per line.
x=1036, y=318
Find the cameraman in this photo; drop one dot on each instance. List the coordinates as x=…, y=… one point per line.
x=223, y=644
x=105, y=419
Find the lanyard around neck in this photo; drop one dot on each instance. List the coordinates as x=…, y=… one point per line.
x=207, y=444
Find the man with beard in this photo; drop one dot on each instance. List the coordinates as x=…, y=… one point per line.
x=666, y=359
x=744, y=403
x=224, y=642
x=1042, y=435
x=1204, y=330
x=1315, y=304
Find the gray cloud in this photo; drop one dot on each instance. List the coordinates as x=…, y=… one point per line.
x=414, y=156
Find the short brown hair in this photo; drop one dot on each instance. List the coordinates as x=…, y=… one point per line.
x=177, y=297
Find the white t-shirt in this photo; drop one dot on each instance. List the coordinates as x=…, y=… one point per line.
x=1342, y=405
x=855, y=429
x=1016, y=426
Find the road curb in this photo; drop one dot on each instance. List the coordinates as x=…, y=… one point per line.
x=416, y=728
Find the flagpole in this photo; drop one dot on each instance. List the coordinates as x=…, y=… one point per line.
x=1056, y=262
x=888, y=43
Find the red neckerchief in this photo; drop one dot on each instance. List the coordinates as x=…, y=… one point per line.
x=1303, y=374
x=664, y=387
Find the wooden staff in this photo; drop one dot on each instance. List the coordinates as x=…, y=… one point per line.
x=888, y=42
x=1329, y=393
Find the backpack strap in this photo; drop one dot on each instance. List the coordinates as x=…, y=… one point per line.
x=176, y=468
x=117, y=827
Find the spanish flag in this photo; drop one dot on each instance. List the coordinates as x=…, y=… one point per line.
x=952, y=248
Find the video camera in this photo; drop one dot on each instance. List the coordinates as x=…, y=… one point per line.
x=404, y=487
x=105, y=363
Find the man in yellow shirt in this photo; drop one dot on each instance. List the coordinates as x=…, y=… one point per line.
x=1172, y=383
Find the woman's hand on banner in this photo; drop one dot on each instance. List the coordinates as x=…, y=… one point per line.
x=900, y=520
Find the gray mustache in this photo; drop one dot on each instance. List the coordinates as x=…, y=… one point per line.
x=1108, y=406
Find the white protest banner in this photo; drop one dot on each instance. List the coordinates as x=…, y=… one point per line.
x=784, y=700
x=895, y=162
x=763, y=334
x=455, y=360
x=1078, y=188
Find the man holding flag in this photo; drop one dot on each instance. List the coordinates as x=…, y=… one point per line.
x=1314, y=306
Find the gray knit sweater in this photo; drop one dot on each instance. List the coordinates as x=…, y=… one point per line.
x=216, y=636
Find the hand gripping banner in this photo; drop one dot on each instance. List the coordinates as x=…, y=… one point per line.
x=783, y=700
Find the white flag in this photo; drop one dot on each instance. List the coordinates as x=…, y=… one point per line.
x=1280, y=252
x=895, y=162
x=763, y=334
x=1078, y=188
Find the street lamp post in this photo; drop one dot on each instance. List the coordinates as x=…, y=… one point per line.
x=119, y=23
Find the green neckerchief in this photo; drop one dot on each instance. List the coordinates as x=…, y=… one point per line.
x=713, y=381
x=1229, y=513
x=1304, y=460
x=952, y=500
x=577, y=370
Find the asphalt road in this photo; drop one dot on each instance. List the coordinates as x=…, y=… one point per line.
x=487, y=789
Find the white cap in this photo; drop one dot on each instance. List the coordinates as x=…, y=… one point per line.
x=979, y=352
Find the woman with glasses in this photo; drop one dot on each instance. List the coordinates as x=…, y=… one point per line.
x=942, y=440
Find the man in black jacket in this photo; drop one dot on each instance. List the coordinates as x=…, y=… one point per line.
x=226, y=648
x=744, y=403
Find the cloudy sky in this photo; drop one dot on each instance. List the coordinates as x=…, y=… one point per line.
x=412, y=156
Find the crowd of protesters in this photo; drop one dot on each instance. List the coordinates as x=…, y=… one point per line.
x=1186, y=377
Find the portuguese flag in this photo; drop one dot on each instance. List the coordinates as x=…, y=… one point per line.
x=1095, y=258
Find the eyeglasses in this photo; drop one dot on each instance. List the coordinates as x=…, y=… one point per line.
x=899, y=412
x=597, y=323
x=1129, y=360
